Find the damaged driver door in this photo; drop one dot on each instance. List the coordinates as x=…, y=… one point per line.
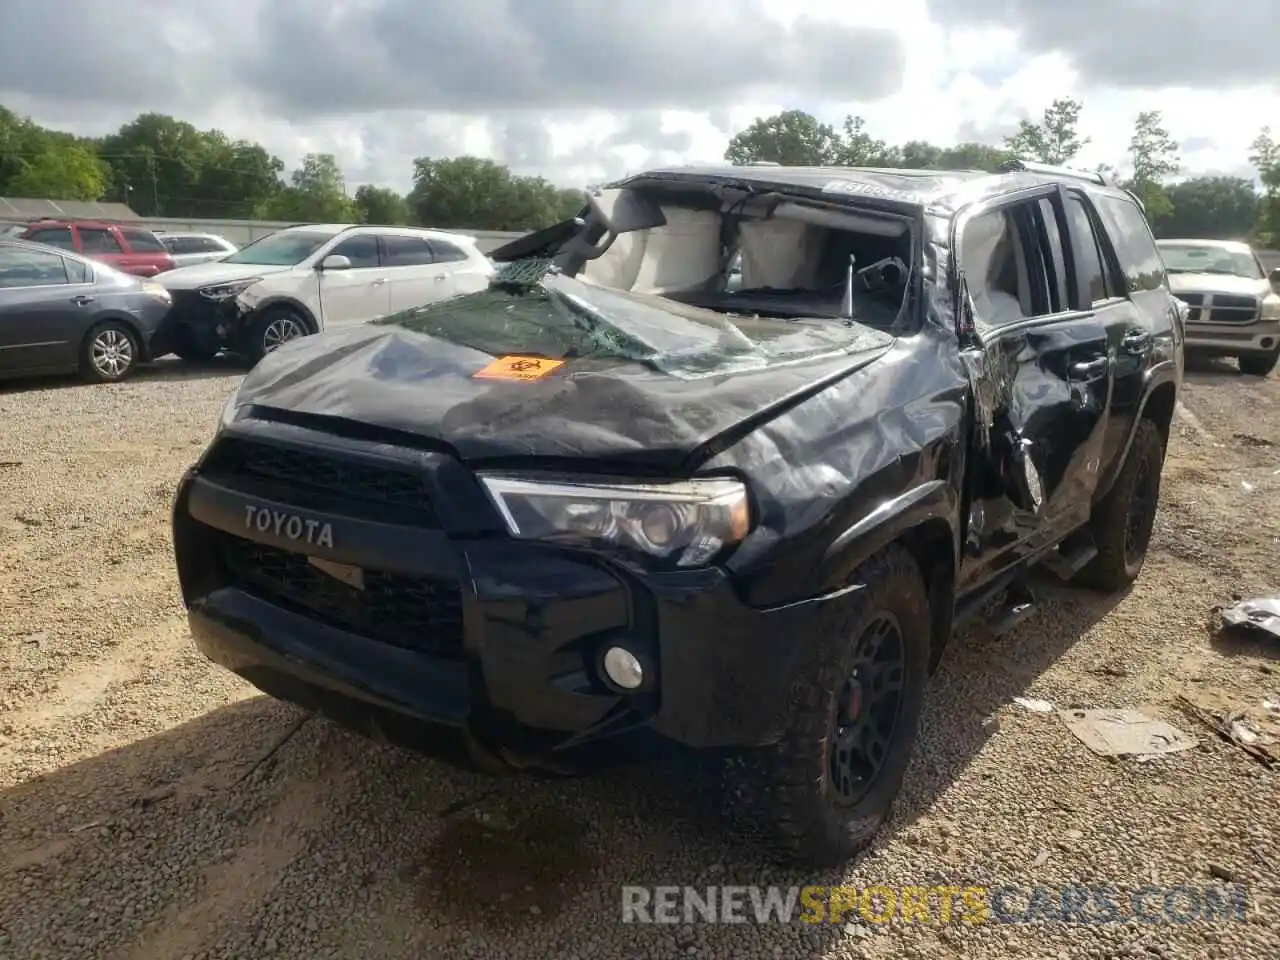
x=1041, y=369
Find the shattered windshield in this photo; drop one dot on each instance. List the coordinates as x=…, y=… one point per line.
x=552, y=315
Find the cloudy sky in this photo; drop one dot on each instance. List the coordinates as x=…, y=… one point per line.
x=577, y=90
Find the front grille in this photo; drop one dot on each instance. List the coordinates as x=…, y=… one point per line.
x=1228, y=308
x=321, y=479
x=410, y=612
x=1220, y=307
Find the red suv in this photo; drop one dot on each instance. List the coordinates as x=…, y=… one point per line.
x=128, y=249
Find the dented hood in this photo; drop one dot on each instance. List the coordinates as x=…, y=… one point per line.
x=496, y=375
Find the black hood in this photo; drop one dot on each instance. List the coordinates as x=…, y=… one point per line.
x=594, y=374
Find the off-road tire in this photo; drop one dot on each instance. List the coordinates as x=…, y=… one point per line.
x=1258, y=366
x=1119, y=560
x=257, y=339
x=93, y=369
x=789, y=785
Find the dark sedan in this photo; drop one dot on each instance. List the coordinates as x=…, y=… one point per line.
x=61, y=312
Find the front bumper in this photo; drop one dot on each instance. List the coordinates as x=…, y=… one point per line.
x=199, y=324
x=1233, y=340
x=462, y=634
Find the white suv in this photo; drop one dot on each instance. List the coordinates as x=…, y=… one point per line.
x=189, y=248
x=304, y=279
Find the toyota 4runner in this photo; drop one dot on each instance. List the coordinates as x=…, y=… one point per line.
x=608, y=494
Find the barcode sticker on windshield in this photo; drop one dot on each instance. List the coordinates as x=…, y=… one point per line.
x=518, y=368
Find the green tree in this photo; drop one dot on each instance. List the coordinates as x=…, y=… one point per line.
x=1055, y=139
x=380, y=205
x=472, y=192
x=1221, y=208
x=61, y=173
x=857, y=148
x=316, y=193
x=235, y=177
x=162, y=166
x=1154, y=155
x=1264, y=154
x=792, y=138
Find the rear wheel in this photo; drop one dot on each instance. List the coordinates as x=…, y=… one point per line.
x=108, y=353
x=276, y=326
x=1259, y=366
x=830, y=783
x=1123, y=520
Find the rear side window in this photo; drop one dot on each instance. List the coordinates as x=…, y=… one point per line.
x=407, y=251
x=1139, y=258
x=143, y=241
x=446, y=252
x=1093, y=274
x=97, y=240
x=77, y=271
x=362, y=251
x=55, y=237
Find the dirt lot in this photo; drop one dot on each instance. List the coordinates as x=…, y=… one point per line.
x=152, y=806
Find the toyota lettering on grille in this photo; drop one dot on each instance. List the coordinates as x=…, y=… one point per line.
x=288, y=525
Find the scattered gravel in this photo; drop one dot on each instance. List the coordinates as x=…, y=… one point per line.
x=152, y=806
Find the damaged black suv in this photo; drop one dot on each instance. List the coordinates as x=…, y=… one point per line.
x=724, y=460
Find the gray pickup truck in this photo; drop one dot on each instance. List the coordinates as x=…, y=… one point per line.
x=1234, y=303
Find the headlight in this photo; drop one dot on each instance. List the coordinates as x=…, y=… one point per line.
x=157, y=290
x=690, y=522
x=225, y=291
x=1271, y=308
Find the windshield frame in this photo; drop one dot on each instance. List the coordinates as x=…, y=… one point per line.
x=1237, y=256
x=324, y=237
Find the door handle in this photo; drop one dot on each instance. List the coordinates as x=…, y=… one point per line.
x=1136, y=341
x=1089, y=369
x=439, y=278
x=379, y=282
x=82, y=300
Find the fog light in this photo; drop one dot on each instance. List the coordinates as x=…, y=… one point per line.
x=623, y=668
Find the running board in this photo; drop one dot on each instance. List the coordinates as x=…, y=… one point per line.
x=1065, y=562
x=1019, y=604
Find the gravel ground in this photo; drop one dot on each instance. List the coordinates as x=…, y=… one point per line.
x=152, y=806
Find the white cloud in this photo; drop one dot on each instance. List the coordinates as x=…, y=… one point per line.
x=970, y=79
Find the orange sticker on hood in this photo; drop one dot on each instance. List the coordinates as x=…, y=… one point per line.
x=518, y=368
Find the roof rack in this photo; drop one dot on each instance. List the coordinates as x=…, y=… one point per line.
x=1018, y=165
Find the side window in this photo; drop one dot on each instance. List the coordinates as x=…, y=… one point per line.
x=97, y=240
x=1046, y=216
x=407, y=251
x=446, y=252
x=362, y=251
x=1139, y=258
x=1012, y=259
x=208, y=245
x=143, y=241
x=55, y=237
x=77, y=271
x=30, y=268
x=1093, y=272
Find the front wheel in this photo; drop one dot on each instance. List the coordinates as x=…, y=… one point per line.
x=1124, y=519
x=830, y=783
x=108, y=353
x=1258, y=366
x=276, y=326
